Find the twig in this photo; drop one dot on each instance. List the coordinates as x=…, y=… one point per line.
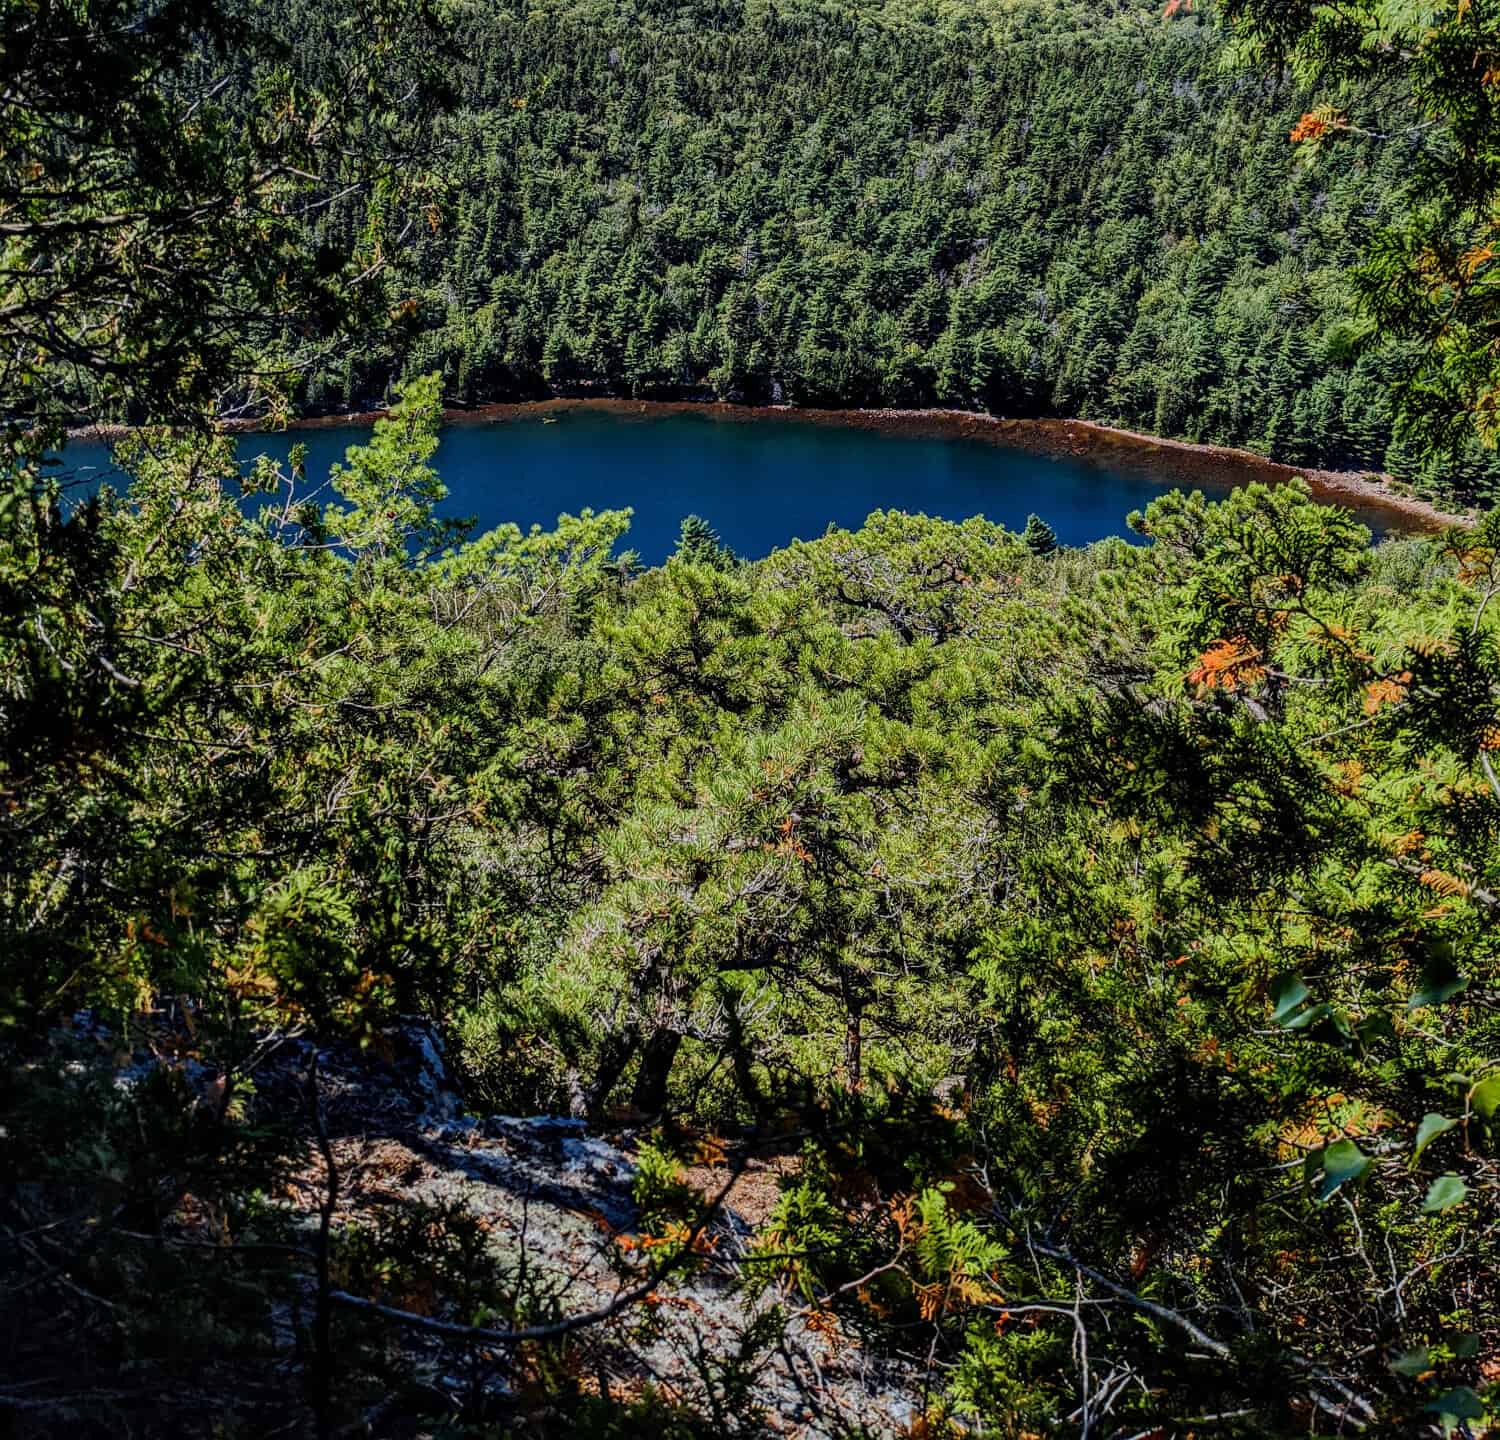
x=322, y=1336
x=1215, y=1347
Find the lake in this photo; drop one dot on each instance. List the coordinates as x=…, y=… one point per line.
x=761, y=484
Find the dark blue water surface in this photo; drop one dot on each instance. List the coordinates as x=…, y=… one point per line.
x=760, y=484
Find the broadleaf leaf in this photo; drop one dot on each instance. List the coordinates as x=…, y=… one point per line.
x=1343, y=1162
x=1431, y=1127
x=1444, y=1193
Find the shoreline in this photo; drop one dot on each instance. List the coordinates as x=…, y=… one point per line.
x=1172, y=464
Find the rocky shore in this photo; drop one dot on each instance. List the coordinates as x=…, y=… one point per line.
x=1375, y=499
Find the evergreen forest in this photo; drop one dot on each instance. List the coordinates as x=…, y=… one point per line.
x=1031, y=213
x=929, y=981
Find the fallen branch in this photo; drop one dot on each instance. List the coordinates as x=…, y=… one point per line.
x=1217, y=1348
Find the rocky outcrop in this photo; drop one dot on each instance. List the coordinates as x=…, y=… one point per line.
x=557, y=1201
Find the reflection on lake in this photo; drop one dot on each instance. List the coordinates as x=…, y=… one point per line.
x=760, y=484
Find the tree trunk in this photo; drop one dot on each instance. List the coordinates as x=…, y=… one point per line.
x=618, y=1052
x=657, y=1055
x=854, y=1054
x=740, y=1059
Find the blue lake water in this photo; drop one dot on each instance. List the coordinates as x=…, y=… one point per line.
x=760, y=484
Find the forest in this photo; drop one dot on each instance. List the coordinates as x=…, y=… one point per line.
x=1099, y=217
x=925, y=982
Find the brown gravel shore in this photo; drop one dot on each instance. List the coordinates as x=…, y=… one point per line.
x=1170, y=463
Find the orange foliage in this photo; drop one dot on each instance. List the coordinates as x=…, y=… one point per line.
x=1227, y=665
x=1310, y=127
x=1443, y=883
x=1470, y=261
x=1386, y=692
x=826, y=1324
x=1143, y=1254
x=1351, y=773
x=789, y=844
x=710, y=1151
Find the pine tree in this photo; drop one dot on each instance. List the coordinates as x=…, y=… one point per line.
x=1040, y=537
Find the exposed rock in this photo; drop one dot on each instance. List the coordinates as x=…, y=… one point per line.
x=560, y=1199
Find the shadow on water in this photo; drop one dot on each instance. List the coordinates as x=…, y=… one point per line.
x=760, y=485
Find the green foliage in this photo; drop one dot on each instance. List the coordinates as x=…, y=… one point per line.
x=1040, y=538
x=388, y=487
x=893, y=813
x=1032, y=210
x=161, y=172
x=420, y=1251
x=660, y=1193
x=1117, y=932
x=1425, y=277
x=699, y=544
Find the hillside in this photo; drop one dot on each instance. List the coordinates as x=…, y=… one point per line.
x=1075, y=211
x=1108, y=925
x=926, y=982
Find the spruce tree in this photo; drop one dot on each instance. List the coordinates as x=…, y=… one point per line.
x=699, y=544
x=1040, y=537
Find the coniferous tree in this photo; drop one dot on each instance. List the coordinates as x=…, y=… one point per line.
x=1130, y=261
x=1040, y=537
x=699, y=544
x=887, y=816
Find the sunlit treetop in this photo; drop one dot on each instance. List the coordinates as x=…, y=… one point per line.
x=1424, y=77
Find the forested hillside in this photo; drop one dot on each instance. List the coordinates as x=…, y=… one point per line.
x=1031, y=210
x=928, y=982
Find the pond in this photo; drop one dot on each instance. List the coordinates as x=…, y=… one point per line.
x=761, y=484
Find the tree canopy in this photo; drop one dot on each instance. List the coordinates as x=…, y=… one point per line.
x=1085, y=211
x=1104, y=938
